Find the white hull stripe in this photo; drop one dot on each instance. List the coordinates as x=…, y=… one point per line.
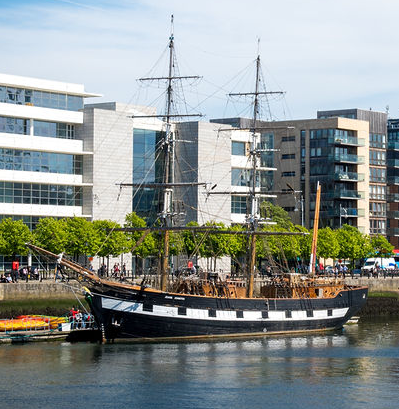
x=221, y=315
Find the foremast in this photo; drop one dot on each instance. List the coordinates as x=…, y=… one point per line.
x=168, y=145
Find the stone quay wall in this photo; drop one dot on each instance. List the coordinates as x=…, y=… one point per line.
x=34, y=290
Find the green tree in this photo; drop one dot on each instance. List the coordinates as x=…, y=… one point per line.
x=51, y=234
x=327, y=243
x=14, y=234
x=276, y=214
x=147, y=245
x=110, y=242
x=381, y=246
x=305, y=242
x=82, y=238
x=214, y=245
x=191, y=240
x=352, y=244
x=237, y=245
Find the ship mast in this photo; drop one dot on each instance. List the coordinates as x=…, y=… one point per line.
x=312, y=264
x=255, y=152
x=168, y=145
x=254, y=216
x=166, y=215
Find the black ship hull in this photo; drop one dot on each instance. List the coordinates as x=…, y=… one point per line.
x=147, y=314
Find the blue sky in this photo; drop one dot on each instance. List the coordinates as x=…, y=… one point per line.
x=326, y=54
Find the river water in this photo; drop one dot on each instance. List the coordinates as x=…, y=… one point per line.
x=357, y=367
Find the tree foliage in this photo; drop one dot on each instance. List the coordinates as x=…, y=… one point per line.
x=51, y=234
x=148, y=246
x=352, y=244
x=110, y=242
x=13, y=236
x=381, y=246
x=327, y=243
x=82, y=238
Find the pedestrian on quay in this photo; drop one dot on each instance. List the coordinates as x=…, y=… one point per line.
x=14, y=271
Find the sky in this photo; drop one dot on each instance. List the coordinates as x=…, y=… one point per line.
x=324, y=54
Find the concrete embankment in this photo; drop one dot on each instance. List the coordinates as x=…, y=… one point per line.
x=381, y=284
x=34, y=290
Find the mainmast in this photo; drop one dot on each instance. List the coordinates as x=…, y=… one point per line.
x=256, y=149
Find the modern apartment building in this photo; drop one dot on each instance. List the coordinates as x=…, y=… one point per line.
x=393, y=182
x=333, y=151
x=41, y=155
x=377, y=160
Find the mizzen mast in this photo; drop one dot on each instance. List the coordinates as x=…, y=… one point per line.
x=255, y=153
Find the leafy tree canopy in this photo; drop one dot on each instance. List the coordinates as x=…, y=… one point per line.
x=148, y=243
x=51, y=234
x=110, y=242
x=327, y=243
x=14, y=234
x=381, y=246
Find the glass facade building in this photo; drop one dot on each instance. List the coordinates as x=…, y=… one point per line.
x=36, y=161
x=147, y=168
x=55, y=100
x=43, y=194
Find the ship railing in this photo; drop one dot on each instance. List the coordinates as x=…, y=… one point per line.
x=88, y=323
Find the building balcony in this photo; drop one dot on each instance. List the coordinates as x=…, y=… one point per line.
x=348, y=158
x=393, y=214
x=349, y=176
x=393, y=146
x=393, y=180
x=394, y=231
x=345, y=194
x=393, y=197
x=345, y=213
x=349, y=140
x=393, y=163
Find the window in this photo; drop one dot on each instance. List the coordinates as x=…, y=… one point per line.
x=377, y=175
x=21, y=96
x=32, y=161
x=377, y=192
x=33, y=193
x=14, y=125
x=238, y=204
x=377, y=209
x=53, y=129
x=288, y=156
x=240, y=177
x=377, y=140
x=238, y=148
x=147, y=168
x=377, y=227
x=377, y=158
x=286, y=174
x=288, y=138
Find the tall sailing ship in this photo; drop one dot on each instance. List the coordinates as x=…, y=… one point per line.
x=204, y=307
